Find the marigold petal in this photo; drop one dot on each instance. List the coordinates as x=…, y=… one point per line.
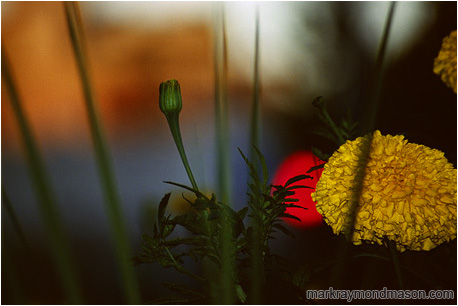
x=409, y=193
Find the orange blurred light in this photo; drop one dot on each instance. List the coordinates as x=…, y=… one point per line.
x=295, y=164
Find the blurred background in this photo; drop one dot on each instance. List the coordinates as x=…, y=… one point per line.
x=307, y=49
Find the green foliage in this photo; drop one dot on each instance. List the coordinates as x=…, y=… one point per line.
x=266, y=207
x=267, y=203
x=336, y=134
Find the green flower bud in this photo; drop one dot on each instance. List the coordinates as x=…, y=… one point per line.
x=170, y=98
x=170, y=104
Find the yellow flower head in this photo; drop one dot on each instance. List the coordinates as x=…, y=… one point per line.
x=408, y=193
x=445, y=62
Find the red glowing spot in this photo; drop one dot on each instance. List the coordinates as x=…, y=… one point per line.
x=295, y=164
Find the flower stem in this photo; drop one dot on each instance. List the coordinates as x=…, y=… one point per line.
x=227, y=295
x=103, y=160
x=174, y=125
x=179, y=268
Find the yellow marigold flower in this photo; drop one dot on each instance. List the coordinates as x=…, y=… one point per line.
x=445, y=62
x=408, y=193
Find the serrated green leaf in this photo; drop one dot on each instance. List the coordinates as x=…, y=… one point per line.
x=162, y=207
x=286, y=215
x=316, y=167
x=317, y=152
x=298, y=187
x=297, y=178
x=345, y=134
x=196, y=192
x=265, y=172
x=253, y=172
x=289, y=205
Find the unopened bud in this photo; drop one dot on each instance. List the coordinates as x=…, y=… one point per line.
x=170, y=97
x=170, y=104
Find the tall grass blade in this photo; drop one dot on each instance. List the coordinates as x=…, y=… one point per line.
x=112, y=200
x=377, y=78
x=221, y=108
x=223, y=153
x=257, y=272
x=46, y=199
x=255, y=112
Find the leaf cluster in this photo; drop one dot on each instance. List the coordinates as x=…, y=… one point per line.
x=266, y=207
x=337, y=134
x=268, y=203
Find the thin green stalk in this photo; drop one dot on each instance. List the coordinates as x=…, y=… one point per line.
x=180, y=268
x=223, y=156
x=175, y=129
x=46, y=199
x=221, y=109
x=255, y=113
x=373, y=99
x=170, y=104
x=257, y=268
x=112, y=200
x=377, y=79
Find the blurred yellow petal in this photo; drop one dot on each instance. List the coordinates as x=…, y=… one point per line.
x=445, y=62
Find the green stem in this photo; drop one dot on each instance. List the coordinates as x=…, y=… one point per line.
x=257, y=258
x=255, y=114
x=174, y=125
x=180, y=269
x=46, y=199
x=376, y=84
x=223, y=157
x=103, y=160
x=221, y=110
